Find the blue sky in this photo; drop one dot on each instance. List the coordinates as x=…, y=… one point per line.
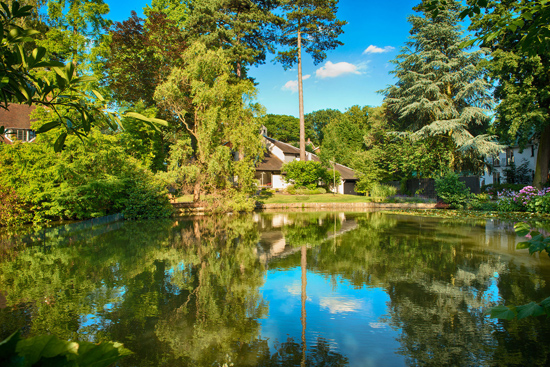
x=351, y=75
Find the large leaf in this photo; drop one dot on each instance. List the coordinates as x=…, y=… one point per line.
x=60, y=142
x=528, y=310
x=522, y=229
x=502, y=312
x=48, y=126
x=100, y=355
x=44, y=346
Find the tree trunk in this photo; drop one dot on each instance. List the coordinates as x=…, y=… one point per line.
x=543, y=157
x=301, y=99
x=197, y=192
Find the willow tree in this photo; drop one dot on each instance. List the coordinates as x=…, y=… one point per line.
x=441, y=93
x=216, y=113
x=310, y=25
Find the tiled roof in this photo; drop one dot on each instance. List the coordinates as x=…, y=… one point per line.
x=16, y=117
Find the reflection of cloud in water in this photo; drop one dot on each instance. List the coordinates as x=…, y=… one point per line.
x=377, y=325
x=341, y=304
x=295, y=289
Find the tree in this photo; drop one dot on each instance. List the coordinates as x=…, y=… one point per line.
x=441, y=94
x=215, y=113
x=311, y=25
x=317, y=120
x=527, y=19
x=29, y=77
x=242, y=28
x=521, y=80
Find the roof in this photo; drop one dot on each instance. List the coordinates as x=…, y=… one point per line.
x=286, y=148
x=345, y=172
x=16, y=116
x=270, y=163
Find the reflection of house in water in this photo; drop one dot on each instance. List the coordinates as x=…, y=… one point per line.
x=272, y=243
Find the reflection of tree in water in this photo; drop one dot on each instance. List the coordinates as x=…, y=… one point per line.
x=310, y=228
x=289, y=353
x=439, y=286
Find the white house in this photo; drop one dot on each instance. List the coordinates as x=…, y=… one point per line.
x=505, y=159
x=269, y=174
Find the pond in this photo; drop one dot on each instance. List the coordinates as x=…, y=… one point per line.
x=283, y=289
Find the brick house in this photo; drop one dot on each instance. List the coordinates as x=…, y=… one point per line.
x=17, y=123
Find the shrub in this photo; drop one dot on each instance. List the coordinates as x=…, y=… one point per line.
x=381, y=192
x=13, y=210
x=308, y=174
x=451, y=190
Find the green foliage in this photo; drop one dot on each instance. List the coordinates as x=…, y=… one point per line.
x=536, y=243
x=286, y=128
x=317, y=120
x=12, y=209
x=48, y=350
x=521, y=174
x=441, y=93
x=451, y=190
x=315, y=23
x=381, y=192
x=293, y=190
x=307, y=174
x=88, y=179
x=217, y=114
x=242, y=29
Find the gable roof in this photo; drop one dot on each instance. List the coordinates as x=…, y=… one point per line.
x=345, y=172
x=17, y=116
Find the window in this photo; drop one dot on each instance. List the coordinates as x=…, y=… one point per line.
x=20, y=134
x=496, y=178
x=496, y=161
x=532, y=150
x=509, y=157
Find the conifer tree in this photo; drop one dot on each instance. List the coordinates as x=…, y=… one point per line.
x=310, y=25
x=240, y=27
x=441, y=92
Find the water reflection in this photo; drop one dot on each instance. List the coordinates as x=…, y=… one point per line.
x=283, y=289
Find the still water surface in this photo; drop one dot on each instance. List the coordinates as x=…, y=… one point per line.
x=283, y=289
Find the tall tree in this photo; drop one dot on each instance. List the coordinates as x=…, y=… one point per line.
x=311, y=25
x=218, y=119
x=522, y=83
x=242, y=28
x=441, y=93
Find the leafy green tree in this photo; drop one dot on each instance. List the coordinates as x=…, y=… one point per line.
x=286, y=128
x=219, y=120
x=317, y=120
x=311, y=25
x=521, y=81
x=242, y=28
x=441, y=93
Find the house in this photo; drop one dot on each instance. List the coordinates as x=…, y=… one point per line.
x=511, y=156
x=17, y=123
x=269, y=174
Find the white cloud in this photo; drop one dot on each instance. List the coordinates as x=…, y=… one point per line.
x=292, y=85
x=377, y=50
x=331, y=70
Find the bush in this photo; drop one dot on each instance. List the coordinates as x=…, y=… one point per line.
x=451, y=190
x=308, y=174
x=381, y=192
x=481, y=202
x=493, y=189
x=90, y=178
x=13, y=210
